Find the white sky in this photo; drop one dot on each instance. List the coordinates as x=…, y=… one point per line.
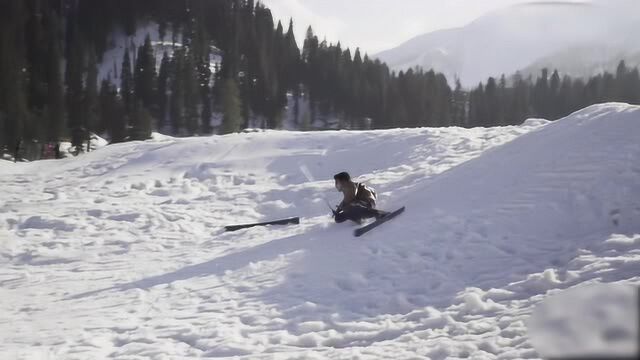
x=376, y=25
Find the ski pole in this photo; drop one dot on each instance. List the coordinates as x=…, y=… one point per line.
x=328, y=204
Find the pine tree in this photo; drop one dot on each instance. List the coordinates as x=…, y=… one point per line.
x=36, y=39
x=459, y=106
x=163, y=83
x=75, y=92
x=492, y=104
x=204, y=80
x=91, y=105
x=504, y=99
x=230, y=107
x=627, y=84
x=305, y=123
x=478, y=111
x=145, y=76
x=610, y=84
x=13, y=102
x=310, y=71
x=566, y=98
x=632, y=87
x=55, y=87
x=541, y=98
x=621, y=81
x=292, y=69
x=293, y=60
x=177, y=92
x=554, y=102
x=143, y=122
x=112, y=113
x=191, y=94
x=144, y=92
x=231, y=40
x=126, y=83
x=520, y=103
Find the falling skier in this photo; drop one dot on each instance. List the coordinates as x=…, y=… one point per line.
x=359, y=201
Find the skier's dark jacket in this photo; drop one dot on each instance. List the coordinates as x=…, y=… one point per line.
x=358, y=193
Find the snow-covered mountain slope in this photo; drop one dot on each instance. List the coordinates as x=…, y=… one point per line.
x=514, y=38
x=120, y=253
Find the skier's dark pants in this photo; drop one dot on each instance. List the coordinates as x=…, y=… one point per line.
x=356, y=212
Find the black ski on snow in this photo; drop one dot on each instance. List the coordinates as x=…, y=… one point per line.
x=365, y=229
x=289, y=221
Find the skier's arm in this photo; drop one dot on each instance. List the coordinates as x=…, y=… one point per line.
x=348, y=196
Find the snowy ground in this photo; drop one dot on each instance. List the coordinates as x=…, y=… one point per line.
x=121, y=254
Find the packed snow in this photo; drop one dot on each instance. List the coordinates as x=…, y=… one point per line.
x=121, y=253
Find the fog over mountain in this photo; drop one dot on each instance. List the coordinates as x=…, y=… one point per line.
x=528, y=36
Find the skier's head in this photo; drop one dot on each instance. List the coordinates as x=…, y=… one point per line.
x=342, y=179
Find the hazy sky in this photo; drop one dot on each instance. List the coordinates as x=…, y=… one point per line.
x=376, y=25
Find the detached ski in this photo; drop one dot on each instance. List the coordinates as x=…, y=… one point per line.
x=365, y=229
x=289, y=221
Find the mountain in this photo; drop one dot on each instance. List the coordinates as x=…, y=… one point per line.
x=516, y=37
x=121, y=253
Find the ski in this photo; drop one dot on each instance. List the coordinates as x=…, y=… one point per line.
x=365, y=229
x=289, y=221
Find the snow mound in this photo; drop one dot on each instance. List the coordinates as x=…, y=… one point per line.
x=594, y=320
x=121, y=252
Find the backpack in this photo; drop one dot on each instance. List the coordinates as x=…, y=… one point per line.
x=366, y=194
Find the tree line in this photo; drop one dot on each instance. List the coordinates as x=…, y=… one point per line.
x=228, y=59
x=549, y=96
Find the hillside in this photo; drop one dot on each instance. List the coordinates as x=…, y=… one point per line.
x=509, y=40
x=120, y=253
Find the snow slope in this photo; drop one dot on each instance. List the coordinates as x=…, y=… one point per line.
x=519, y=36
x=121, y=254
